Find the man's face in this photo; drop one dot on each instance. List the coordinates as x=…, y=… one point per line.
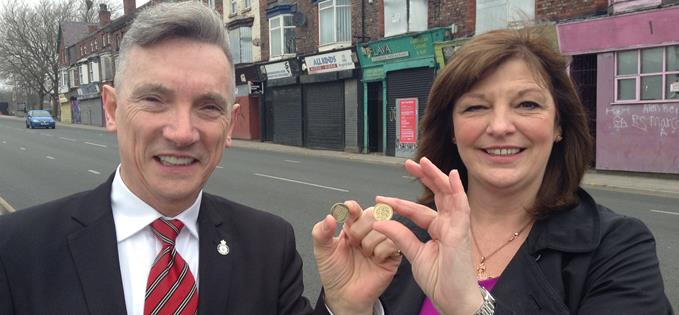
x=172, y=118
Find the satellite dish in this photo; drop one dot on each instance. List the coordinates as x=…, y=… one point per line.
x=298, y=19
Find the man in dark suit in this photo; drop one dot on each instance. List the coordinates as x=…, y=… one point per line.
x=149, y=240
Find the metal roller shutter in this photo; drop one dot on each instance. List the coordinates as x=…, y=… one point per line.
x=403, y=84
x=287, y=115
x=324, y=115
x=267, y=132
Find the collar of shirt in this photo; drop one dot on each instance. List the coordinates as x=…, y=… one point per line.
x=131, y=214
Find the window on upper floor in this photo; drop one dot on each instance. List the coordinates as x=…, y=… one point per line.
x=240, y=41
x=403, y=16
x=84, y=74
x=247, y=4
x=234, y=7
x=497, y=14
x=334, y=22
x=63, y=80
x=211, y=4
x=282, y=35
x=649, y=74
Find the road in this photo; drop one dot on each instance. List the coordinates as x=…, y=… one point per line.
x=41, y=165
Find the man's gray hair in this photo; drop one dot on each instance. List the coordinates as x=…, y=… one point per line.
x=190, y=19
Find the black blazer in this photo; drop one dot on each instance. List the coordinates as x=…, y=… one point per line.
x=587, y=260
x=62, y=258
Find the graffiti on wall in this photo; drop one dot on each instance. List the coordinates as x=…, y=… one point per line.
x=658, y=119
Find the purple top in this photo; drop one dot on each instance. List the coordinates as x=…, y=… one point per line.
x=428, y=307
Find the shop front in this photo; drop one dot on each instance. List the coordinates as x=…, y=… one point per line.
x=248, y=95
x=282, y=106
x=637, y=87
x=330, y=101
x=397, y=74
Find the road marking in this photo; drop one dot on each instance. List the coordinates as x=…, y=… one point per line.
x=22, y=149
x=96, y=144
x=46, y=134
x=665, y=212
x=67, y=139
x=94, y=172
x=4, y=142
x=292, y=161
x=300, y=182
x=409, y=177
x=219, y=166
x=49, y=157
x=6, y=205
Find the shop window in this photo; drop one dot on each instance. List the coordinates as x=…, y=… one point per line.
x=649, y=74
x=282, y=34
x=498, y=14
x=240, y=41
x=403, y=16
x=334, y=22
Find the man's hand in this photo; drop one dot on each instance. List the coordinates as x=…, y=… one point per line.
x=358, y=265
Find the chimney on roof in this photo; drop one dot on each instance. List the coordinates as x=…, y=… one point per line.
x=129, y=6
x=104, y=15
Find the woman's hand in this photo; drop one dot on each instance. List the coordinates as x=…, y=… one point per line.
x=355, y=267
x=443, y=266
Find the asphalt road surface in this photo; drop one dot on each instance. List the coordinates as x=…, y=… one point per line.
x=40, y=165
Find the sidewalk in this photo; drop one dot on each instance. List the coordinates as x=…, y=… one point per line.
x=665, y=184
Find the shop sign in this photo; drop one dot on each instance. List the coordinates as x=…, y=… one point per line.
x=674, y=87
x=278, y=70
x=330, y=62
x=255, y=87
x=391, y=50
x=406, y=144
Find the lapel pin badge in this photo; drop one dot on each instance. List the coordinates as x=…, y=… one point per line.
x=222, y=248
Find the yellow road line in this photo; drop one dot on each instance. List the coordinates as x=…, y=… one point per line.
x=6, y=205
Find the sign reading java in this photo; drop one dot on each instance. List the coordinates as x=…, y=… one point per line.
x=639, y=137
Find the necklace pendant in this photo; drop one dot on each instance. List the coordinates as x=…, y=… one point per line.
x=481, y=271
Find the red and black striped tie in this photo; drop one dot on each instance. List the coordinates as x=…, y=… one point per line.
x=171, y=288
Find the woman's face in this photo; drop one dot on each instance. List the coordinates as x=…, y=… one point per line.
x=504, y=128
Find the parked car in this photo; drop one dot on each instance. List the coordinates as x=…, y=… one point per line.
x=39, y=119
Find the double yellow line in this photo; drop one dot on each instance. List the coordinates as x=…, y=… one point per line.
x=4, y=204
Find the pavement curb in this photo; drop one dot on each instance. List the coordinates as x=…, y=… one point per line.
x=5, y=207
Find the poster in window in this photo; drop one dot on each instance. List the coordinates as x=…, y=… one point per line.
x=406, y=128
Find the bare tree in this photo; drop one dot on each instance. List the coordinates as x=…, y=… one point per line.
x=28, y=46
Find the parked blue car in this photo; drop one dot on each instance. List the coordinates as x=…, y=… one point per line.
x=39, y=119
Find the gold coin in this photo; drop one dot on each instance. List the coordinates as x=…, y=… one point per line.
x=340, y=212
x=383, y=212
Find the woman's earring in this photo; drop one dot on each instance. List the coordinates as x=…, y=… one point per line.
x=557, y=139
x=454, y=141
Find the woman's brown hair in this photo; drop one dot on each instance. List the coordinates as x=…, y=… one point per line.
x=472, y=63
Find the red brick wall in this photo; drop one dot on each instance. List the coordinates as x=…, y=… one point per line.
x=444, y=13
x=306, y=40
x=373, y=25
x=556, y=10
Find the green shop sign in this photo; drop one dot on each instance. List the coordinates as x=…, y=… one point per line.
x=401, y=48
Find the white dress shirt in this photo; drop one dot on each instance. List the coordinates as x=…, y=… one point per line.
x=138, y=246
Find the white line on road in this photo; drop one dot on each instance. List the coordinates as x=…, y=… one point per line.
x=94, y=172
x=300, y=182
x=409, y=177
x=67, y=139
x=665, y=212
x=6, y=205
x=219, y=166
x=292, y=161
x=46, y=134
x=49, y=157
x=22, y=149
x=96, y=144
x=4, y=142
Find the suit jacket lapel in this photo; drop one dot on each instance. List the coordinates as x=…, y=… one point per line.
x=214, y=268
x=94, y=250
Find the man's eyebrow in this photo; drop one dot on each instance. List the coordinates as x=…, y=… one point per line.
x=150, y=88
